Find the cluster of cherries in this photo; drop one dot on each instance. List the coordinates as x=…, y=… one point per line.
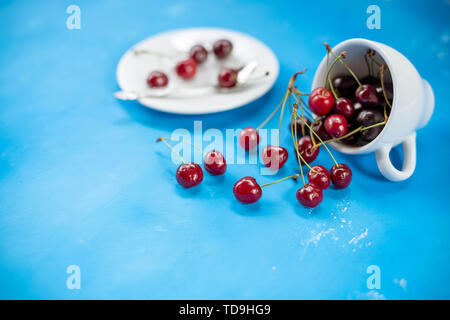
x=187, y=68
x=332, y=116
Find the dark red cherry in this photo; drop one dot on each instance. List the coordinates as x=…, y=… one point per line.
x=247, y=190
x=367, y=95
x=274, y=157
x=310, y=195
x=368, y=117
x=319, y=176
x=186, y=69
x=318, y=127
x=222, y=48
x=299, y=123
x=336, y=125
x=370, y=80
x=341, y=175
x=157, y=79
x=248, y=138
x=352, y=139
x=227, y=78
x=388, y=89
x=215, y=163
x=305, y=148
x=344, y=106
x=321, y=101
x=189, y=175
x=345, y=86
x=199, y=53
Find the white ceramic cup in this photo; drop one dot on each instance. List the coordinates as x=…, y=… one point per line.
x=412, y=106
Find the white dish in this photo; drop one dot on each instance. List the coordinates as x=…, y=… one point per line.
x=132, y=70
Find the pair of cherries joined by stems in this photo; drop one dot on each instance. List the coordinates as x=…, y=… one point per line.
x=187, y=69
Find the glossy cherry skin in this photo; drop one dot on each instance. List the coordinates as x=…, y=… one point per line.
x=321, y=101
x=305, y=148
x=199, y=53
x=247, y=190
x=341, y=175
x=319, y=176
x=222, y=48
x=299, y=123
x=367, y=95
x=227, y=78
x=318, y=127
x=352, y=125
x=368, y=117
x=157, y=79
x=186, y=69
x=388, y=89
x=189, y=175
x=336, y=125
x=344, y=106
x=345, y=85
x=215, y=163
x=248, y=138
x=310, y=195
x=274, y=157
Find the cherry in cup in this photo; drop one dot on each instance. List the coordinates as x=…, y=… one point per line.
x=344, y=107
x=157, y=79
x=321, y=101
x=336, y=125
x=367, y=118
x=367, y=95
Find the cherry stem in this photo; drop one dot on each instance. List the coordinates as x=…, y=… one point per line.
x=294, y=176
x=188, y=142
x=367, y=62
x=382, y=87
x=281, y=116
x=346, y=66
x=294, y=140
x=341, y=55
x=269, y=117
x=170, y=147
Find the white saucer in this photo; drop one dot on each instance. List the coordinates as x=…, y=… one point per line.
x=133, y=70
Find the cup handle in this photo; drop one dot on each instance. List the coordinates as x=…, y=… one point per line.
x=409, y=160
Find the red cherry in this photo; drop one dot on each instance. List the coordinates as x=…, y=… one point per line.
x=186, y=69
x=248, y=138
x=310, y=195
x=157, y=79
x=299, y=122
x=367, y=95
x=336, y=125
x=274, y=157
x=227, y=78
x=222, y=48
x=215, y=163
x=319, y=176
x=344, y=106
x=318, y=127
x=189, y=175
x=305, y=147
x=341, y=175
x=247, y=190
x=199, y=53
x=321, y=101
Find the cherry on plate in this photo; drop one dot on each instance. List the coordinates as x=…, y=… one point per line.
x=198, y=53
x=222, y=48
x=186, y=69
x=189, y=175
x=215, y=163
x=157, y=79
x=247, y=190
x=227, y=78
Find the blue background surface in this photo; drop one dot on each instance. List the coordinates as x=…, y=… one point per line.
x=83, y=183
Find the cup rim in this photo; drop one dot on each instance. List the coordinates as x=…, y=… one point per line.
x=375, y=46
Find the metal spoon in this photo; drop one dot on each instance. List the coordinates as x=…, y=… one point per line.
x=242, y=78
